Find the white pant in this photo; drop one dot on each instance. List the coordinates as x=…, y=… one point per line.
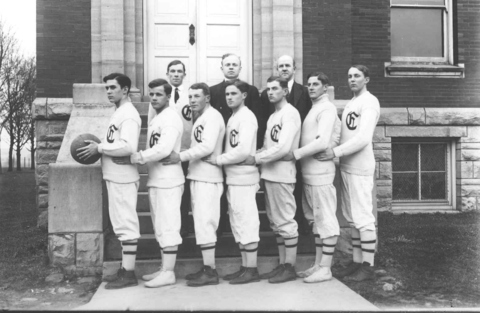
x=122, y=208
x=165, y=210
x=243, y=213
x=280, y=206
x=356, y=201
x=205, y=199
x=320, y=207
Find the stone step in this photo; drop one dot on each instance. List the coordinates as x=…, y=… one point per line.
x=226, y=246
x=224, y=265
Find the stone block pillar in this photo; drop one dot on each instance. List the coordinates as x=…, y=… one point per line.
x=77, y=197
x=117, y=41
x=277, y=30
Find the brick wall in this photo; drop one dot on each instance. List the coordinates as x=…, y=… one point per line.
x=339, y=33
x=63, y=46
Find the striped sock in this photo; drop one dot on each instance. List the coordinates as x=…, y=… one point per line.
x=169, y=258
x=328, y=250
x=291, y=250
x=208, y=254
x=251, y=254
x=318, y=249
x=129, y=254
x=243, y=253
x=369, y=240
x=281, y=248
x=357, y=248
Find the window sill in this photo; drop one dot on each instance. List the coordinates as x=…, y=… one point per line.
x=424, y=70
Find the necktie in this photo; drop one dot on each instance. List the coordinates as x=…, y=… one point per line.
x=177, y=96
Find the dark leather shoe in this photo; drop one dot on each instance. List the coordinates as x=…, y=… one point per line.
x=209, y=276
x=194, y=275
x=365, y=272
x=351, y=268
x=288, y=274
x=126, y=279
x=250, y=275
x=115, y=276
x=272, y=273
x=236, y=274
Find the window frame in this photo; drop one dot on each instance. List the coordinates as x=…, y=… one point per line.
x=449, y=203
x=447, y=34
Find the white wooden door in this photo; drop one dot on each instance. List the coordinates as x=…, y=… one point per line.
x=221, y=26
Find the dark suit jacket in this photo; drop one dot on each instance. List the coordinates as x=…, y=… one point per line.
x=219, y=102
x=301, y=100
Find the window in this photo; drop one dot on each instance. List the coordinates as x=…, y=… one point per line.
x=422, y=174
x=422, y=39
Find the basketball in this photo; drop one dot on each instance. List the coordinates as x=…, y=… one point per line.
x=79, y=142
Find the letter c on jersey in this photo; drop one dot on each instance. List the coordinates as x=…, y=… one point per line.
x=111, y=130
x=350, y=120
x=187, y=112
x=154, y=139
x=233, y=138
x=275, y=133
x=197, y=133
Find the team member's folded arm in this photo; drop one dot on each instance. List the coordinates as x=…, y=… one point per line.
x=324, y=133
x=206, y=147
x=242, y=151
x=283, y=146
x=159, y=151
x=127, y=143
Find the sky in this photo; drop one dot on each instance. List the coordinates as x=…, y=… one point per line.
x=20, y=16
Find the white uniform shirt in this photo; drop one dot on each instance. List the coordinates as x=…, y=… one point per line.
x=359, y=119
x=121, y=139
x=320, y=130
x=182, y=107
x=240, y=142
x=207, y=138
x=281, y=137
x=164, y=136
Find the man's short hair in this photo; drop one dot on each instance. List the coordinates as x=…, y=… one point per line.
x=176, y=62
x=240, y=84
x=293, y=60
x=363, y=69
x=204, y=87
x=161, y=82
x=226, y=55
x=121, y=79
x=282, y=81
x=320, y=76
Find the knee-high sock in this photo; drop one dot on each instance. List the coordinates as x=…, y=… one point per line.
x=357, y=248
x=368, y=241
x=318, y=249
x=291, y=250
x=169, y=257
x=281, y=249
x=251, y=254
x=328, y=250
x=129, y=254
x=244, y=254
x=208, y=254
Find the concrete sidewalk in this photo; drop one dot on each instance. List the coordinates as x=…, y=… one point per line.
x=262, y=296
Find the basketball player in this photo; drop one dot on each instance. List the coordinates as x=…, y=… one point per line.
x=122, y=181
x=242, y=181
x=206, y=180
x=320, y=130
x=357, y=166
x=165, y=183
x=281, y=137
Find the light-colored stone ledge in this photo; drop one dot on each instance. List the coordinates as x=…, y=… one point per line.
x=468, y=181
x=468, y=155
x=452, y=116
x=52, y=108
x=426, y=131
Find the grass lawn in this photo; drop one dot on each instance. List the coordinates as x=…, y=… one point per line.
x=431, y=261
x=428, y=260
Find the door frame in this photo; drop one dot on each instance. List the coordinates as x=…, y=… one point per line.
x=247, y=65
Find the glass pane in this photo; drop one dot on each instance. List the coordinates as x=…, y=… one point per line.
x=434, y=186
x=417, y=32
x=404, y=157
x=418, y=2
x=405, y=186
x=433, y=157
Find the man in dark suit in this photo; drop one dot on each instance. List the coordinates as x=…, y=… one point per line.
x=231, y=67
x=299, y=98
